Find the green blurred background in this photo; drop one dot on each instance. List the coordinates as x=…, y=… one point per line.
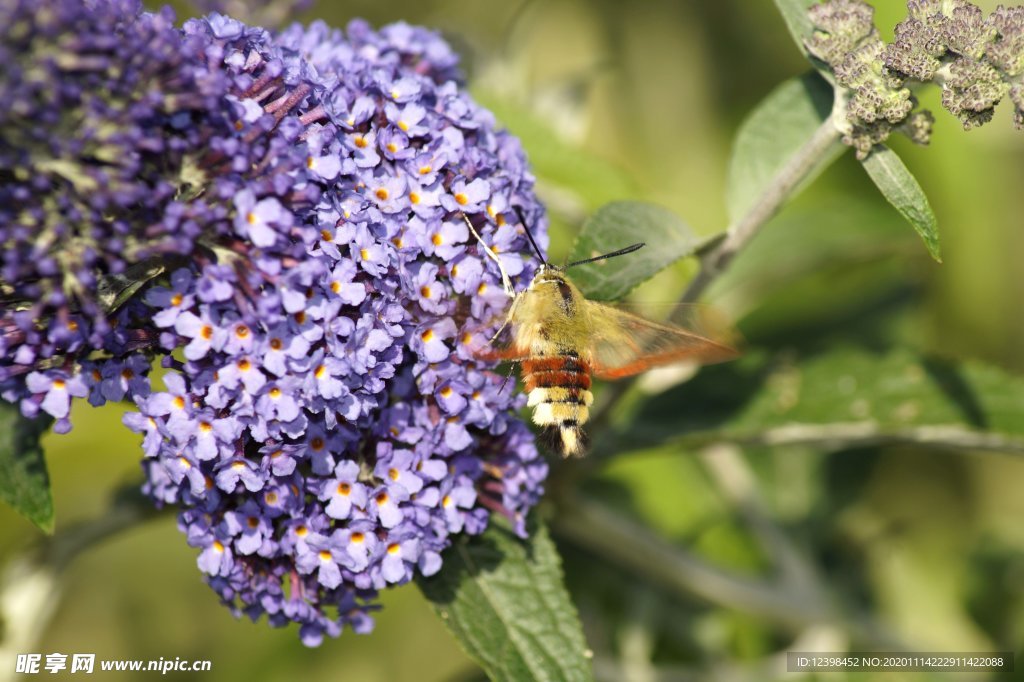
x=621, y=100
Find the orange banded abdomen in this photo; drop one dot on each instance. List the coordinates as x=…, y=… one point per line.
x=559, y=393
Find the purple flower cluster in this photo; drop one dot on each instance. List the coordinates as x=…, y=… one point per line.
x=325, y=426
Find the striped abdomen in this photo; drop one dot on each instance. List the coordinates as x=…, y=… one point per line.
x=559, y=393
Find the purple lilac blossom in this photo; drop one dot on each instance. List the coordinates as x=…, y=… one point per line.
x=328, y=427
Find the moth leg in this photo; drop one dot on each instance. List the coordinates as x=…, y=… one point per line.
x=508, y=375
x=498, y=333
x=506, y=282
x=511, y=313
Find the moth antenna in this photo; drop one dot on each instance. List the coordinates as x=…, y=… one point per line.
x=506, y=283
x=529, y=235
x=621, y=252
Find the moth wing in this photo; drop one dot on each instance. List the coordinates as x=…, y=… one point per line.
x=625, y=344
x=500, y=352
x=493, y=340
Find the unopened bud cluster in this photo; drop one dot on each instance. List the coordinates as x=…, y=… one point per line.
x=976, y=60
x=876, y=98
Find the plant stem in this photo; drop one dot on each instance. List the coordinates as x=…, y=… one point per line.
x=717, y=258
x=778, y=191
x=828, y=436
x=31, y=585
x=598, y=528
x=738, y=484
x=595, y=527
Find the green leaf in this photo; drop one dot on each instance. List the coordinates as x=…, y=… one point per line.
x=858, y=267
x=775, y=130
x=503, y=599
x=902, y=190
x=113, y=291
x=617, y=225
x=24, y=482
x=846, y=395
x=794, y=13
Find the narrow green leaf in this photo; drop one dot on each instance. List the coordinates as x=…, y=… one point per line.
x=902, y=190
x=503, y=599
x=24, y=482
x=775, y=130
x=617, y=225
x=844, y=394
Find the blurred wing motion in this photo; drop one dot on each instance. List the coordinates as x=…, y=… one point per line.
x=493, y=341
x=625, y=344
